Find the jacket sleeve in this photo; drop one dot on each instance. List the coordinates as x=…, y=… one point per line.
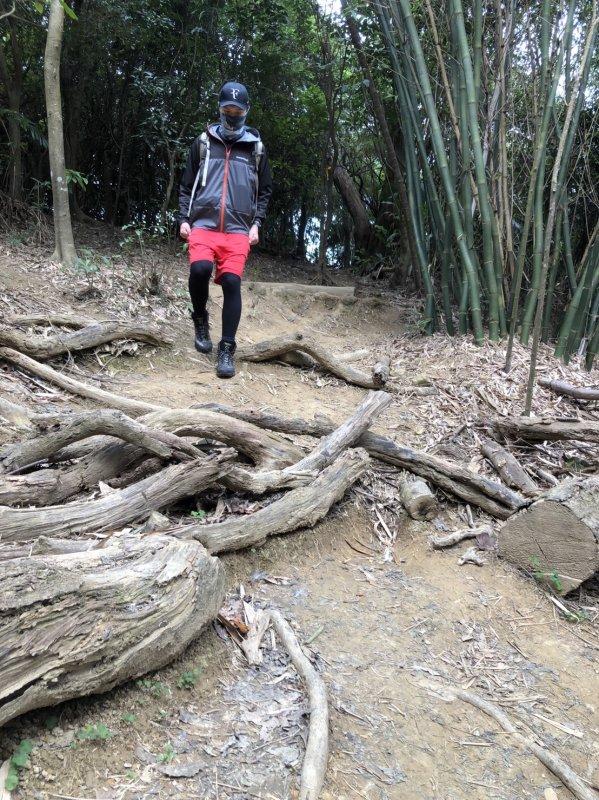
x=187, y=181
x=264, y=187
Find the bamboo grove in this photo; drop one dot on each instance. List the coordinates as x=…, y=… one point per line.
x=500, y=175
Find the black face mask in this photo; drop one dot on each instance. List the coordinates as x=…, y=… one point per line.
x=232, y=127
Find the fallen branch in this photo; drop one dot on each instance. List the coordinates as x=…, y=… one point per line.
x=417, y=499
x=381, y=371
x=64, y=430
x=548, y=758
x=116, y=509
x=327, y=450
x=299, y=508
x=346, y=293
x=540, y=429
x=455, y=479
x=126, y=404
x=82, y=623
x=275, y=348
x=51, y=318
x=85, y=338
x=317, y=747
x=567, y=389
x=508, y=468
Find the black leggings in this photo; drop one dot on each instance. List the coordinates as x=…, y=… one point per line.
x=199, y=281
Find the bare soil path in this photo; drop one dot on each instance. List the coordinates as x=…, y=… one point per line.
x=379, y=622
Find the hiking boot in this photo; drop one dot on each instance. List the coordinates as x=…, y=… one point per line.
x=225, y=365
x=203, y=342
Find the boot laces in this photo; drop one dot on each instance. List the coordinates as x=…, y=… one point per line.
x=226, y=355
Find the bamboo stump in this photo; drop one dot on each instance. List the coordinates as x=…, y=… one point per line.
x=557, y=537
x=81, y=623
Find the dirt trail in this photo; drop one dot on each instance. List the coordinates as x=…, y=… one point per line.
x=379, y=630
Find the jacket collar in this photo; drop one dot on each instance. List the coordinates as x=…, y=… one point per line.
x=249, y=135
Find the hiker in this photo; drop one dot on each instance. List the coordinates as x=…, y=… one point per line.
x=223, y=196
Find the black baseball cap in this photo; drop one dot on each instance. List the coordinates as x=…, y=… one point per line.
x=234, y=94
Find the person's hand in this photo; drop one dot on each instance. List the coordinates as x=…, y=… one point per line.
x=184, y=230
x=254, y=235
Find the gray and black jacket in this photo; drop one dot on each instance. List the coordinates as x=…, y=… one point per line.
x=225, y=192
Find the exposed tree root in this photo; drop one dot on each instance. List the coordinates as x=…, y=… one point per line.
x=116, y=509
x=317, y=748
x=547, y=757
x=275, y=348
x=85, y=338
x=493, y=497
x=299, y=508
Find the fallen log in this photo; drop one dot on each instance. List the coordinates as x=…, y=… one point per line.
x=568, y=390
x=58, y=432
x=82, y=623
x=126, y=404
x=116, y=509
x=327, y=450
x=51, y=486
x=17, y=415
x=314, y=766
x=417, y=499
x=492, y=497
x=299, y=508
x=541, y=429
x=557, y=537
x=86, y=338
x=508, y=468
x=275, y=348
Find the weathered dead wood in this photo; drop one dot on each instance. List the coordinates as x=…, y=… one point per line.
x=116, y=509
x=417, y=498
x=275, y=348
x=58, y=432
x=51, y=318
x=86, y=338
x=381, y=371
x=327, y=450
x=557, y=536
x=548, y=758
x=450, y=539
x=82, y=623
x=251, y=644
x=299, y=508
x=541, y=429
x=314, y=766
x=508, y=467
x=568, y=390
x=126, y=404
x=266, y=450
x=492, y=497
x=51, y=486
x=45, y=545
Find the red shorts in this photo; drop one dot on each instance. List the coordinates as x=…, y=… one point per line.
x=228, y=251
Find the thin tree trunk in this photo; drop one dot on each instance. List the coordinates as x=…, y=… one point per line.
x=64, y=248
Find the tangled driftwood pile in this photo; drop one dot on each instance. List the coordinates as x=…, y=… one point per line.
x=91, y=594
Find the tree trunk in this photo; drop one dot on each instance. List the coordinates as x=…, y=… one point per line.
x=64, y=247
x=356, y=208
x=557, y=538
x=80, y=623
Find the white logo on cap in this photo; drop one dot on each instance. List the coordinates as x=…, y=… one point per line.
x=234, y=92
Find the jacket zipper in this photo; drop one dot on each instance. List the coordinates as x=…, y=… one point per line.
x=224, y=193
